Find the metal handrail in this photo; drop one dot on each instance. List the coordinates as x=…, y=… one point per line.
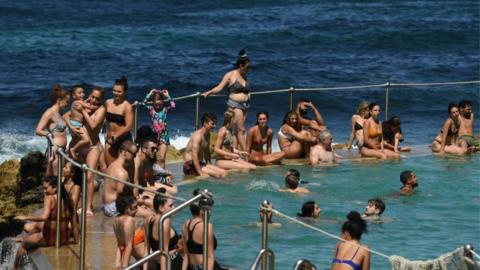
x=303, y=263
x=260, y=254
x=291, y=91
x=83, y=219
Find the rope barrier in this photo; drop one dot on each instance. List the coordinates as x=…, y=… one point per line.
x=324, y=232
x=474, y=253
x=85, y=167
x=345, y=88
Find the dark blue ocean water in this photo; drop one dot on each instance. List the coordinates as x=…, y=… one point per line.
x=187, y=46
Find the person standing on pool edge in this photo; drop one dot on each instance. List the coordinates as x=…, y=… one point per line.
x=238, y=94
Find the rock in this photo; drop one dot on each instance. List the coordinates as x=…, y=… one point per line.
x=29, y=187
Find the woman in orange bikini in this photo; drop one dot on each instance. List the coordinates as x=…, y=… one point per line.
x=258, y=136
x=129, y=240
x=372, y=136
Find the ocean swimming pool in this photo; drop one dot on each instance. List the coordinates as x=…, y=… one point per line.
x=443, y=214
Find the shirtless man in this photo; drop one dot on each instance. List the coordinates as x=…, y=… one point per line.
x=291, y=185
x=466, y=140
x=315, y=125
x=409, y=181
x=144, y=161
x=122, y=169
x=322, y=153
x=197, y=153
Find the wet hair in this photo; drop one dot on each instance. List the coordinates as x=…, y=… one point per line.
x=307, y=209
x=74, y=88
x=194, y=207
x=293, y=172
x=324, y=134
x=159, y=199
x=464, y=103
x=126, y=145
x=304, y=100
x=362, y=106
x=208, y=116
x=355, y=225
x=99, y=89
x=286, y=119
x=404, y=176
x=394, y=121
x=291, y=181
x=57, y=93
x=378, y=203
x=124, y=200
x=123, y=81
x=372, y=105
x=451, y=106
x=260, y=113
x=228, y=115
x=242, y=59
x=67, y=201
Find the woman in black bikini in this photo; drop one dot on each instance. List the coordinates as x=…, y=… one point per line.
x=193, y=241
x=357, y=124
x=238, y=95
x=446, y=140
x=119, y=118
x=171, y=240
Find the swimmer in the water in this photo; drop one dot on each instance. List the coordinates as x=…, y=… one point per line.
x=374, y=209
x=291, y=185
x=310, y=209
x=409, y=181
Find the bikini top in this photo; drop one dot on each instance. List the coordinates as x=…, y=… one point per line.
x=373, y=132
x=287, y=136
x=237, y=87
x=154, y=242
x=60, y=125
x=348, y=262
x=194, y=247
x=228, y=140
x=115, y=118
x=358, y=126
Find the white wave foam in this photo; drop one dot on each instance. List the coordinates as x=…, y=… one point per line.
x=15, y=146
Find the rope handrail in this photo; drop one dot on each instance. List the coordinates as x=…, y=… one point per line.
x=85, y=167
x=342, y=88
x=280, y=214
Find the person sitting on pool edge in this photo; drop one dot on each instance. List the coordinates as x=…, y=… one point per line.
x=291, y=185
x=322, y=153
x=409, y=181
x=310, y=209
x=374, y=209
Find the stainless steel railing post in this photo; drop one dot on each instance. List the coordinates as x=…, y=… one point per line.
x=135, y=120
x=206, y=220
x=387, y=85
x=197, y=109
x=264, y=243
x=59, y=196
x=83, y=217
x=291, y=90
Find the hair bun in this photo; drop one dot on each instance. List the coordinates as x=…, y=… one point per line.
x=354, y=216
x=57, y=88
x=242, y=53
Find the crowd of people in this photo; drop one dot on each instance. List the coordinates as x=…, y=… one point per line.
x=142, y=162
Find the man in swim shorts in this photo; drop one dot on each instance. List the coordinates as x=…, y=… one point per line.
x=322, y=153
x=466, y=140
x=196, y=158
x=409, y=181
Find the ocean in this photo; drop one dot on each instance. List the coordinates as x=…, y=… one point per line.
x=187, y=46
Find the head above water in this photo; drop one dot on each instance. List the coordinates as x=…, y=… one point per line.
x=293, y=172
x=291, y=181
x=408, y=178
x=377, y=204
x=310, y=209
x=355, y=226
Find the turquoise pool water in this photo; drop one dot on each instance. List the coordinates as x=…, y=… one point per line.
x=443, y=214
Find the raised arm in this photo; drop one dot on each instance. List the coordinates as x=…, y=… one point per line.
x=99, y=118
x=219, y=87
x=298, y=135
